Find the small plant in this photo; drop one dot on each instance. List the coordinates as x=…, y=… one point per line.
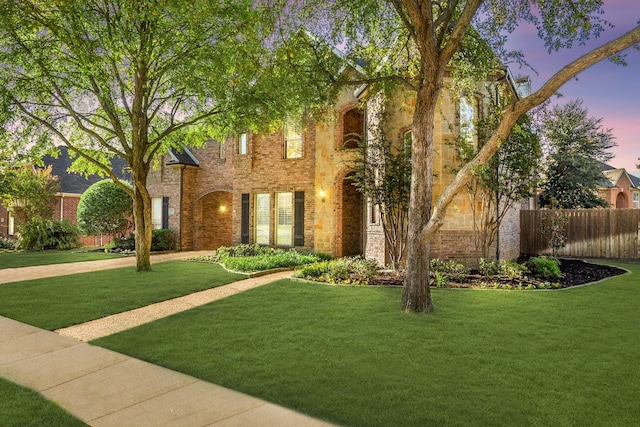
x=162, y=240
x=488, y=268
x=447, y=269
x=347, y=271
x=544, y=268
x=9, y=244
x=512, y=269
x=440, y=280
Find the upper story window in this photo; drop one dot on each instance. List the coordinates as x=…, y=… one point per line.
x=222, y=149
x=292, y=139
x=636, y=200
x=467, y=120
x=242, y=143
x=352, y=128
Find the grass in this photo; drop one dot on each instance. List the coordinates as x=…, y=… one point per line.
x=58, y=302
x=350, y=356
x=23, y=407
x=31, y=258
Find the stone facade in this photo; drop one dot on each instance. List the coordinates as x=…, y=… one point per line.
x=254, y=193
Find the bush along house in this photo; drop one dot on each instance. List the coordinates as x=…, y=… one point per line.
x=293, y=188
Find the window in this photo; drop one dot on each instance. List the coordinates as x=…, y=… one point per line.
x=156, y=212
x=352, y=128
x=11, y=225
x=284, y=219
x=222, y=153
x=467, y=119
x=242, y=143
x=263, y=218
x=292, y=140
x=636, y=200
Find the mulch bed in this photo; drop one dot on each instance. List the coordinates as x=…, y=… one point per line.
x=574, y=273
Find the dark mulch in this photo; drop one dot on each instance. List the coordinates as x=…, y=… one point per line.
x=574, y=273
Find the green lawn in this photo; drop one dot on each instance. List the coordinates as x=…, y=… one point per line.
x=29, y=258
x=22, y=407
x=58, y=302
x=350, y=356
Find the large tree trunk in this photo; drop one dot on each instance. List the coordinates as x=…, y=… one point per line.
x=417, y=295
x=142, y=221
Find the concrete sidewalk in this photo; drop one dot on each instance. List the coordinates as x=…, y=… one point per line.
x=104, y=388
x=8, y=275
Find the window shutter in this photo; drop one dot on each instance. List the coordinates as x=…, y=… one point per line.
x=298, y=219
x=244, y=223
x=165, y=212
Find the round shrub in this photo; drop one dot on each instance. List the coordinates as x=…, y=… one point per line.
x=544, y=268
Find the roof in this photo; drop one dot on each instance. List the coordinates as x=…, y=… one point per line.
x=612, y=175
x=184, y=157
x=71, y=182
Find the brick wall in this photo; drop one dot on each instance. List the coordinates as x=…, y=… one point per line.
x=265, y=170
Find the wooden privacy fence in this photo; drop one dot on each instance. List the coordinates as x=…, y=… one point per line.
x=590, y=233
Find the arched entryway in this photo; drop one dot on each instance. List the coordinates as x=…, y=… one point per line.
x=213, y=223
x=351, y=220
x=621, y=201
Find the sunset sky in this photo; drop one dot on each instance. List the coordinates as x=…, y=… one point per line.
x=609, y=91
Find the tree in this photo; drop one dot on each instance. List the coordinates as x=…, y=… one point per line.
x=27, y=191
x=137, y=78
x=418, y=43
x=383, y=175
x=576, y=144
x=104, y=208
x=507, y=178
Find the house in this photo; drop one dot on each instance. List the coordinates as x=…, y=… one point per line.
x=619, y=188
x=292, y=188
x=71, y=186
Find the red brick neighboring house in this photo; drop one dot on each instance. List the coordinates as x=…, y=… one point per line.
x=619, y=188
x=65, y=202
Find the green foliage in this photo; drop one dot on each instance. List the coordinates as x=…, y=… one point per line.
x=345, y=271
x=506, y=268
x=576, y=143
x=9, y=244
x=162, y=240
x=105, y=207
x=544, y=268
x=250, y=258
x=449, y=268
x=383, y=175
x=42, y=234
x=243, y=250
x=27, y=191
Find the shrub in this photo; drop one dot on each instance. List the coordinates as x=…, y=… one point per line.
x=488, y=268
x=449, y=268
x=42, y=234
x=349, y=270
x=9, y=244
x=544, y=268
x=161, y=240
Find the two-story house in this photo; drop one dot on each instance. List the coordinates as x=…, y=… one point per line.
x=292, y=188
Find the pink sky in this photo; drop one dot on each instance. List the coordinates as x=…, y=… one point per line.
x=609, y=91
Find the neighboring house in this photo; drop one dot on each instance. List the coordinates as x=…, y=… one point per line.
x=292, y=188
x=71, y=187
x=619, y=188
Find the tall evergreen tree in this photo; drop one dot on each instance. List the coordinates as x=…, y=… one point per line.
x=576, y=143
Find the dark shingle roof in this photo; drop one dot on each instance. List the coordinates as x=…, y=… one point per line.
x=611, y=176
x=185, y=157
x=71, y=182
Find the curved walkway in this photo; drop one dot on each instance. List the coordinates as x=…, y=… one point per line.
x=105, y=388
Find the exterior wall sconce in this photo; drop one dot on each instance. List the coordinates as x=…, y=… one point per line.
x=322, y=194
x=223, y=208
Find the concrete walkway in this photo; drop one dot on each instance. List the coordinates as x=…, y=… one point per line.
x=105, y=388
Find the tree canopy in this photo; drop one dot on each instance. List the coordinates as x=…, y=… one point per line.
x=419, y=44
x=576, y=144
x=137, y=78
